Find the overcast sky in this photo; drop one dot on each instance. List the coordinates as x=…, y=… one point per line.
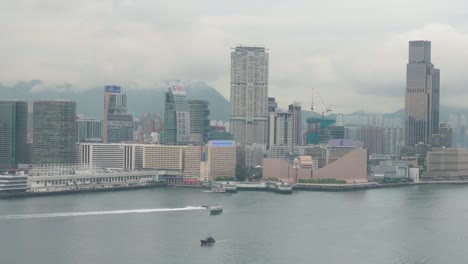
x=353, y=52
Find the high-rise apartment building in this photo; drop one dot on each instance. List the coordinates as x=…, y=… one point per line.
x=13, y=133
x=118, y=125
x=54, y=132
x=295, y=110
x=421, y=95
x=249, y=95
x=176, y=116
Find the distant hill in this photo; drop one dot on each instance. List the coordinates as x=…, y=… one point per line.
x=90, y=102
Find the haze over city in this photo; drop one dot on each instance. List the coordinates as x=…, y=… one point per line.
x=357, y=50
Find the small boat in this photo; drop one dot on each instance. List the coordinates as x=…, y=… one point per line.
x=207, y=241
x=217, y=209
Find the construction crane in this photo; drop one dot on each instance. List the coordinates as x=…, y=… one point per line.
x=328, y=109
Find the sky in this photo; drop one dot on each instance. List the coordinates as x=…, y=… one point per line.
x=354, y=53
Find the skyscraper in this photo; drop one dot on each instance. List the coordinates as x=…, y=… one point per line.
x=295, y=110
x=176, y=116
x=199, y=121
x=421, y=95
x=249, y=95
x=13, y=133
x=89, y=130
x=54, y=132
x=118, y=125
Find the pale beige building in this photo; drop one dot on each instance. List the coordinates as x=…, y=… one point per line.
x=165, y=157
x=221, y=159
x=447, y=163
x=192, y=161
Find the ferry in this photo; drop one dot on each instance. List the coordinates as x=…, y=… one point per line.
x=230, y=187
x=279, y=187
x=217, y=209
x=218, y=189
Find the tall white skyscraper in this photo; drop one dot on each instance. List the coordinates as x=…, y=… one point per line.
x=249, y=95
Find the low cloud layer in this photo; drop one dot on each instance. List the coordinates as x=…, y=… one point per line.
x=354, y=53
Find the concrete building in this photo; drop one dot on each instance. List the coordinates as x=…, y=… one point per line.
x=372, y=137
x=447, y=164
x=392, y=139
x=280, y=152
x=254, y=155
x=444, y=138
x=118, y=125
x=249, y=95
x=13, y=134
x=199, y=121
x=390, y=169
x=421, y=95
x=119, y=156
x=89, y=130
x=317, y=130
x=54, y=132
x=176, y=116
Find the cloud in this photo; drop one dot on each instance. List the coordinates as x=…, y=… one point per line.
x=354, y=53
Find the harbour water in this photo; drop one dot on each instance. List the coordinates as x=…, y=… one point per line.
x=415, y=224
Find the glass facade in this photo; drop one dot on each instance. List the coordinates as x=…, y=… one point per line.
x=13, y=133
x=54, y=132
x=421, y=95
x=176, y=116
x=118, y=125
x=199, y=121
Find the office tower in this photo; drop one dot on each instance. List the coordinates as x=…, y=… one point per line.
x=89, y=130
x=54, y=132
x=249, y=95
x=392, y=138
x=199, y=121
x=372, y=139
x=13, y=133
x=118, y=125
x=295, y=110
x=176, y=116
x=444, y=138
x=421, y=95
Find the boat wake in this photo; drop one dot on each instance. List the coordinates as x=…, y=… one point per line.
x=115, y=212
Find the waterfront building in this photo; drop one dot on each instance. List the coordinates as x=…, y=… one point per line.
x=164, y=157
x=13, y=134
x=199, y=121
x=447, y=164
x=390, y=169
x=421, y=94
x=249, y=95
x=220, y=156
x=89, y=130
x=176, y=116
x=118, y=124
x=54, y=132
x=119, y=156
x=193, y=156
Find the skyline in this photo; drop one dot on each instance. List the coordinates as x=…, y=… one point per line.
x=330, y=54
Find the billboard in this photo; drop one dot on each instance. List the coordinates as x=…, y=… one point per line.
x=112, y=89
x=341, y=143
x=222, y=143
x=177, y=88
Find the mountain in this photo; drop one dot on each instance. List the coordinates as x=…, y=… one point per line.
x=90, y=102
